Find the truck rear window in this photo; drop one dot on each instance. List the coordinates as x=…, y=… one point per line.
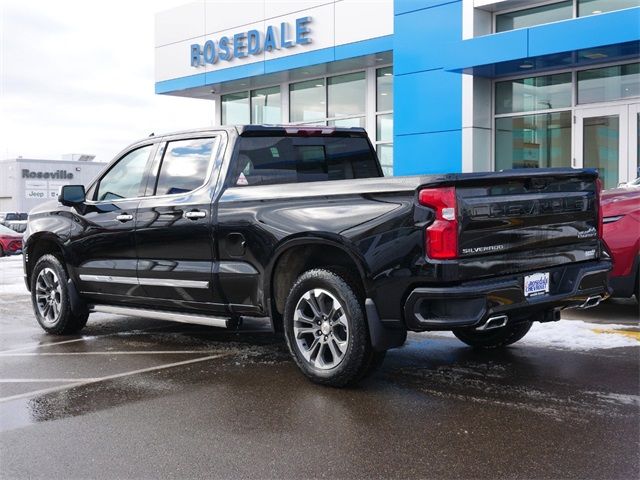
x=272, y=160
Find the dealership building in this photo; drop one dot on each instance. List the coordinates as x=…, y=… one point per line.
x=27, y=182
x=440, y=85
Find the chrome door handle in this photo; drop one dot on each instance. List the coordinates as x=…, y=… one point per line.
x=194, y=214
x=124, y=217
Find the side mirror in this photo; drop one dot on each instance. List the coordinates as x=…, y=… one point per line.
x=72, y=195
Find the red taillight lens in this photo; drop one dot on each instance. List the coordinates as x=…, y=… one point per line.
x=599, y=206
x=442, y=235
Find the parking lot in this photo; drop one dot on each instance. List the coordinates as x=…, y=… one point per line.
x=135, y=398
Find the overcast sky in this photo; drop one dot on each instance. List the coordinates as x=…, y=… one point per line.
x=77, y=77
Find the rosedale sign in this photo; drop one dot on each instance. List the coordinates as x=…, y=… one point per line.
x=252, y=42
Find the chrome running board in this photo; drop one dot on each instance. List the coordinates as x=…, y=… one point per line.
x=163, y=315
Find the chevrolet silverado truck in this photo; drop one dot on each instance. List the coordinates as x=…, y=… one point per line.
x=298, y=224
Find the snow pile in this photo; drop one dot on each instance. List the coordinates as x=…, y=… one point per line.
x=575, y=335
x=11, y=281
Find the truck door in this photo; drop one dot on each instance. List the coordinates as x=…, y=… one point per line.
x=103, y=240
x=175, y=238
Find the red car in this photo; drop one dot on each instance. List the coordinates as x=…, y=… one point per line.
x=10, y=241
x=621, y=212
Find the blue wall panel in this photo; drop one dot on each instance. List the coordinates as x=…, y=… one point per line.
x=427, y=102
x=425, y=39
x=587, y=32
x=427, y=99
x=614, y=28
x=489, y=49
x=182, y=83
x=437, y=152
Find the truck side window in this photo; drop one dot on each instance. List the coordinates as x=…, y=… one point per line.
x=275, y=160
x=184, y=166
x=125, y=178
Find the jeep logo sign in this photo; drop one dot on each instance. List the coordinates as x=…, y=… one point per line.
x=57, y=175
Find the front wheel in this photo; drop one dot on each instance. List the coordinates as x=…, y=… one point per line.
x=326, y=329
x=499, y=337
x=50, y=298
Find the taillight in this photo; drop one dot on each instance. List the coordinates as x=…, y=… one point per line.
x=442, y=235
x=599, y=206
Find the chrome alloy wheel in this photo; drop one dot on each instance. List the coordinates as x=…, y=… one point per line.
x=321, y=329
x=48, y=295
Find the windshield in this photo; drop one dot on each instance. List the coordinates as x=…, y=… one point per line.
x=7, y=231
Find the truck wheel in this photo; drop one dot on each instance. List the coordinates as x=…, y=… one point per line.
x=500, y=337
x=326, y=330
x=50, y=299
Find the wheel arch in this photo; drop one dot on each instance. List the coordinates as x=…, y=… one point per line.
x=40, y=244
x=304, y=252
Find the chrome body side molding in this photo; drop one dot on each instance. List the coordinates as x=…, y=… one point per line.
x=163, y=315
x=155, y=282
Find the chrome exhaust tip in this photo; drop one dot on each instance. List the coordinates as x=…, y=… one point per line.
x=591, y=302
x=498, y=321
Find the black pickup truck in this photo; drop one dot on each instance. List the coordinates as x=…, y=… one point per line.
x=298, y=224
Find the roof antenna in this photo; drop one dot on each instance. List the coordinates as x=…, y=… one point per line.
x=152, y=134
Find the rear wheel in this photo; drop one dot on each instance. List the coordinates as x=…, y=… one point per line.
x=326, y=329
x=50, y=298
x=499, y=337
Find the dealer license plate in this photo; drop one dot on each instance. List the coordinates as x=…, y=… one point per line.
x=536, y=284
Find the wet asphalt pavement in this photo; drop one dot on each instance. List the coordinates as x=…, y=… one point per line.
x=134, y=398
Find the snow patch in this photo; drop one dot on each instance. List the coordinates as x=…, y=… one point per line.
x=572, y=335
x=11, y=281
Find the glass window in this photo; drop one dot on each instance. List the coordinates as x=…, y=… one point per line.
x=534, y=141
x=348, y=122
x=534, y=16
x=235, y=109
x=609, y=83
x=384, y=89
x=601, y=147
x=384, y=128
x=125, y=178
x=535, y=93
x=184, y=166
x=347, y=95
x=307, y=101
x=276, y=160
x=594, y=7
x=385, y=155
x=265, y=106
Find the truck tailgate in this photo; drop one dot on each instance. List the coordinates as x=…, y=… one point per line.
x=515, y=219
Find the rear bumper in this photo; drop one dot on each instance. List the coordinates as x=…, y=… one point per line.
x=625, y=285
x=472, y=303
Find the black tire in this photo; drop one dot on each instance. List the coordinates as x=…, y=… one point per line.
x=63, y=321
x=1, y=251
x=497, y=338
x=358, y=360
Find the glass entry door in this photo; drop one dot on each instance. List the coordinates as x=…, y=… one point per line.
x=634, y=141
x=606, y=138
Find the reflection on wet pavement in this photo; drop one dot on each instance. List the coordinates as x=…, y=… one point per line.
x=159, y=399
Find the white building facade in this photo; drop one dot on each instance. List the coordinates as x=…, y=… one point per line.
x=26, y=183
